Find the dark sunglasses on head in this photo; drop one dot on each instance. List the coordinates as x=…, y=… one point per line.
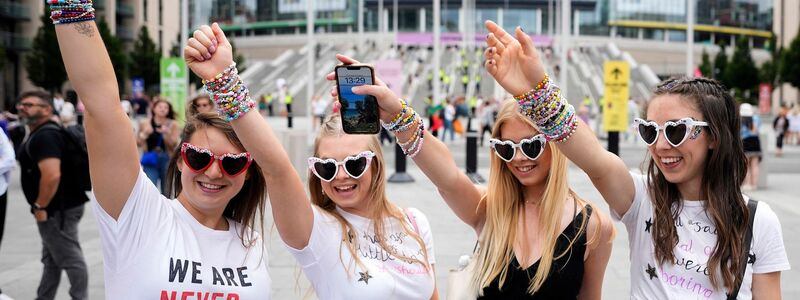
x=675, y=132
x=355, y=166
x=532, y=148
x=199, y=159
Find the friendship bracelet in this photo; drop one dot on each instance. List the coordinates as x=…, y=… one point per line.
x=538, y=87
x=418, y=141
x=416, y=133
x=397, y=118
x=229, y=93
x=71, y=11
x=546, y=106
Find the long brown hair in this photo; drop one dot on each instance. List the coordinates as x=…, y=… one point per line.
x=504, y=202
x=725, y=169
x=247, y=206
x=379, y=205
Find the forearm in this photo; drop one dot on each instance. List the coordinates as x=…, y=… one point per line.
x=88, y=66
x=48, y=185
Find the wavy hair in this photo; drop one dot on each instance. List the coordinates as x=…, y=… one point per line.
x=379, y=206
x=725, y=206
x=504, y=202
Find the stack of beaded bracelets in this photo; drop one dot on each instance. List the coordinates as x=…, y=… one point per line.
x=71, y=11
x=403, y=121
x=549, y=110
x=230, y=94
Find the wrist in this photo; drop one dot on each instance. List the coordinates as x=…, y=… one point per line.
x=36, y=207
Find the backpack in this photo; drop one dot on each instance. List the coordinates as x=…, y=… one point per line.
x=77, y=165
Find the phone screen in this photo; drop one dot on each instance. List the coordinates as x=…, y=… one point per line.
x=359, y=112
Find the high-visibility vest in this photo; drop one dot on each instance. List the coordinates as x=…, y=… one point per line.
x=473, y=102
x=464, y=79
x=287, y=99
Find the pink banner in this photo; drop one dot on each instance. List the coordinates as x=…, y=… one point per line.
x=453, y=38
x=391, y=72
x=764, y=98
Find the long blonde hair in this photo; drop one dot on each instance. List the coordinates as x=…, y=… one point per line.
x=504, y=201
x=379, y=205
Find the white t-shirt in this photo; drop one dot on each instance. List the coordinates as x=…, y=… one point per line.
x=334, y=274
x=687, y=277
x=157, y=250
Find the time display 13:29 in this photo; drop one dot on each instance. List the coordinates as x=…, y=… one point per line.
x=355, y=80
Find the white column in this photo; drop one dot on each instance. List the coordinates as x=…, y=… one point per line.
x=565, y=43
x=310, y=16
x=361, y=21
x=394, y=18
x=690, y=38
x=380, y=16
x=437, y=50
x=500, y=17
x=576, y=25
x=538, y=29
x=423, y=22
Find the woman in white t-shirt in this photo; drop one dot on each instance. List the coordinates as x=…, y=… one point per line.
x=686, y=217
x=350, y=240
x=202, y=245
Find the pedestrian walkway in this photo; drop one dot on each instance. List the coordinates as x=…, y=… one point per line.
x=20, y=268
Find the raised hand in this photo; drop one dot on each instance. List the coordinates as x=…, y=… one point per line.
x=513, y=62
x=388, y=102
x=208, y=52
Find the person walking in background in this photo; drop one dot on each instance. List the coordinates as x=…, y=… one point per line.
x=449, y=116
x=318, y=109
x=752, y=145
x=158, y=136
x=56, y=203
x=200, y=104
x=781, y=126
x=487, y=113
x=793, y=137
x=7, y=164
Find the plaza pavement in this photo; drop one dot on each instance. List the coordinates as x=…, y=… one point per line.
x=20, y=268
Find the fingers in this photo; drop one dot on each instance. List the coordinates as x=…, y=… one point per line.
x=493, y=42
x=498, y=32
x=381, y=92
x=204, y=40
x=491, y=66
x=346, y=59
x=525, y=40
x=190, y=53
x=331, y=76
x=210, y=34
x=219, y=34
x=204, y=54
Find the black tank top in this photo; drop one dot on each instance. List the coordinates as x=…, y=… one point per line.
x=155, y=141
x=566, y=273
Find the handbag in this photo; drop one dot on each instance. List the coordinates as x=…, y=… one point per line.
x=459, y=281
x=150, y=158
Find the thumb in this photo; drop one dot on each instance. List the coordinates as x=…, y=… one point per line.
x=525, y=40
x=378, y=91
x=219, y=34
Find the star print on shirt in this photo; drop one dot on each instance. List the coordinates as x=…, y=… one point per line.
x=364, y=277
x=751, y=258
x=651, y=271
x=647, y=224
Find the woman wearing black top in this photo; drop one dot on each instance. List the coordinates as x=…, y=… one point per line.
x=159, y=133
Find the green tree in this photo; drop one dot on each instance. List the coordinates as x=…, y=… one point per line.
x=720, y=63
x=115, y=51
x=43, y=63
x=145, y=59
x=742, y=73
x=790, y=63
x=770, y=70
x=705, y=65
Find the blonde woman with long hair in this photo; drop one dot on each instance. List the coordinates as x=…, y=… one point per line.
x=350, y=240
x=538, y=239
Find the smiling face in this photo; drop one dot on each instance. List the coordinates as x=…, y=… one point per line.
x=348, y=193
x=683, y=164
x=210, y=190
x=161, y=109
x=530, y=173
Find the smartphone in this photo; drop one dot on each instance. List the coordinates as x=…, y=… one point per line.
x=359, y=112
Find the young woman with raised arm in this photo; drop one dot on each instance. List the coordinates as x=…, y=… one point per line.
x=686, y=216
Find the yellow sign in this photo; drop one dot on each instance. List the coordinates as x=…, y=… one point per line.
x=617, y=75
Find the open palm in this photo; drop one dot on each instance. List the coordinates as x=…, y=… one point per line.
x=513, y=62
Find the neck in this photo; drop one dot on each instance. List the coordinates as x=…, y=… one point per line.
x=533, y=194
x=209, y=218
x=692, y=190
x=36, y=124
x=160, y=119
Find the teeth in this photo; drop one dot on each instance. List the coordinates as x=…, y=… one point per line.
x=524, y=169
x=210, y=186
x=345, y=188
x=669, y=160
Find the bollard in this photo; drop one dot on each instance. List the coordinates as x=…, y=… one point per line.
x=400, y=175
x=297, y=142
x=289, y=115
x=613, y=142
x=472, y=157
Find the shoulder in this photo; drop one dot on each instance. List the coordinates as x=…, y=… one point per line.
x=765, y=219
x=600, y=230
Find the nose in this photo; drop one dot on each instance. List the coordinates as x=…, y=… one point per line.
x=518, y=155
x=661, y=141
x=341, y=173
x=214, y=171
